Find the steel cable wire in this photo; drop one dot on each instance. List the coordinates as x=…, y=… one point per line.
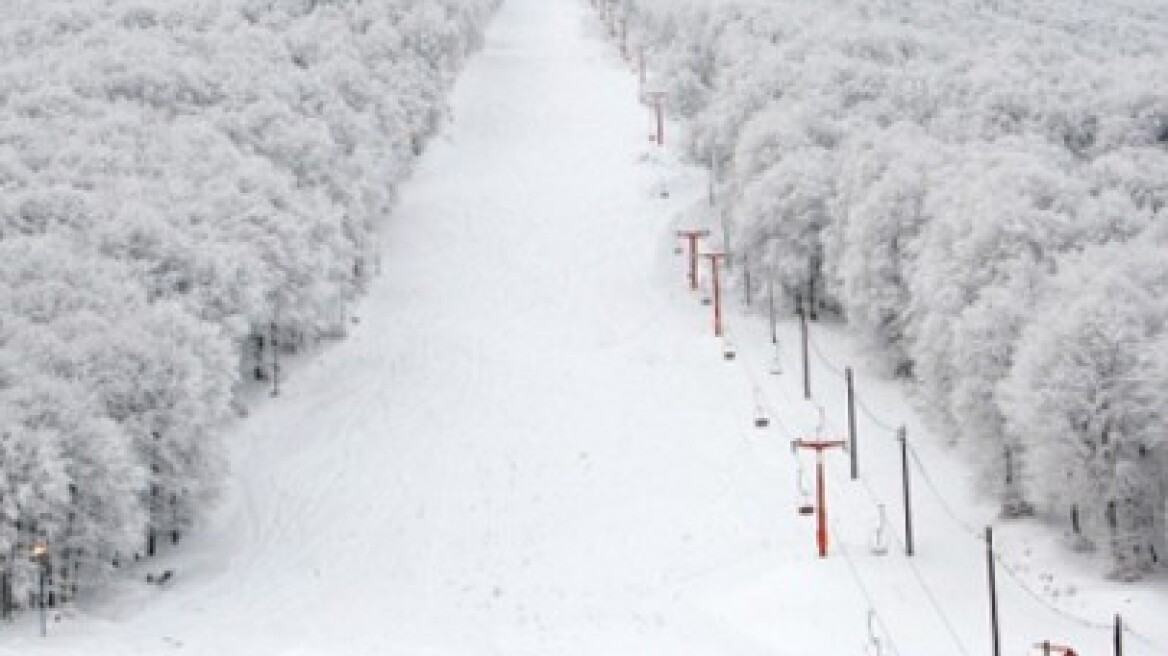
x=831, y=366
x=854, y=571
x=930, y=596
x=761, y=399
x=954, y=516
x=764, y=403
x=876, y=421
x=999, y=555
x=936, y=491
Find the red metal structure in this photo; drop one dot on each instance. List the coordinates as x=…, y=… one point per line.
x=692, y=237
x=820, y=487
x=714, y=259
x=658, y=99
x=1049, y=649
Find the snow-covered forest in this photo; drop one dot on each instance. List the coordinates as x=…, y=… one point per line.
x=184, y=188
x=978, y=188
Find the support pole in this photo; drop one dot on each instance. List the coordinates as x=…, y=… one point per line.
x=713, y=175
x=659, y=113
x=771, y=310
x=746, y=278
x=852, y=423
x=660, y=109
x=717, y=297
x=714, y=259
x=990, y=568
x=275, y=345
x=811, y=271
x=724, y=219
x=818, y=445
x=1009, y=468
x=1118, y=636
x=42, y=604
x=806, y=358
x=908, y=527
x=691, y=237
x=821, y=504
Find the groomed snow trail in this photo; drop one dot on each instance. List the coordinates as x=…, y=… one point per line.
x=521, y=448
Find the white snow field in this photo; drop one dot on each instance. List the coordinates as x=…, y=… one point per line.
x=533, y=445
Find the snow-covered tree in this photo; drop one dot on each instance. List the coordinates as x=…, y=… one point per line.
x=873, y=246
x=1086, y=397
x=935, y=167
x=175, y=177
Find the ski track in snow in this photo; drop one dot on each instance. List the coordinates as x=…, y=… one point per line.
x=531, y=444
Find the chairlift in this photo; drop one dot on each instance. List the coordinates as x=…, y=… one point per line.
x=1046, y=648
x=776, y=365
x=806, y=507
x=873, y=647
x=729, y=352
x=879, y=538
x=761, y=420
x=706, y=300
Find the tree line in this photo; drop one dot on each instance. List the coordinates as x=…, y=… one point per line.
x=180, y=183
x=978, y=188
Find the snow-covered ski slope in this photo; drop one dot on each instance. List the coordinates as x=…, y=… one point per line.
x=533, y=445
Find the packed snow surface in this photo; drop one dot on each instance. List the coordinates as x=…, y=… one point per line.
x=532, y=443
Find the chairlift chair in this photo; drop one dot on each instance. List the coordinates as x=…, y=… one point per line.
x=879, y=538
x=806, y=507
x=761, y=420
x=874, y=646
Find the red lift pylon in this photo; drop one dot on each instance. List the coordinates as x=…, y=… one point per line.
x=657, y=97
x=820, y=487
x=692, y=237
x=714, y=259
